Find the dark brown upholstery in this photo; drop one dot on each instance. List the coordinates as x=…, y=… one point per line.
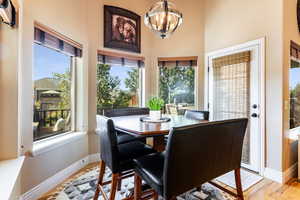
x=194, y=155
x=117, y=157
x=118, y=112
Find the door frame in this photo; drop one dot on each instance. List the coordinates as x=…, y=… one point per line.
x=261, y=62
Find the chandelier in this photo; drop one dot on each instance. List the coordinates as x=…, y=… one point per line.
x=163, y=18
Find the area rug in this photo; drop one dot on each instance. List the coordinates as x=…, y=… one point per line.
x=83, y=186
x=248, y=179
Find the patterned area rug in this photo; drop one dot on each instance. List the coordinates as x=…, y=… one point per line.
x=83, y=186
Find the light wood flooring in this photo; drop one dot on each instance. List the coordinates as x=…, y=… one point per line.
x=264, y=190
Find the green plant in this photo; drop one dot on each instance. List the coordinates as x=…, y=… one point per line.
x=155, y=103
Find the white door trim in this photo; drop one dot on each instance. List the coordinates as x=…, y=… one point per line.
x=261, y=43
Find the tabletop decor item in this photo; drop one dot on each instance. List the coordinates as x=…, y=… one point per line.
x=155, y=105
x=150, y=120
x=122, y=29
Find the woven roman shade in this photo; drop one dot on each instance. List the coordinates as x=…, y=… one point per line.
x=237, y=58
x=295, y=50
x=178, y=61
x=47, y=37
x=111, y=58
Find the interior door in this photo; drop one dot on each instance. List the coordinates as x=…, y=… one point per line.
x=234, y=92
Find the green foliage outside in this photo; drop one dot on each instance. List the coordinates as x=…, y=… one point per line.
x=295, y=106
x=64, y=86
x=176, y=84
x=109, y=94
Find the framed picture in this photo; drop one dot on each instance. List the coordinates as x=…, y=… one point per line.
x=122, y=29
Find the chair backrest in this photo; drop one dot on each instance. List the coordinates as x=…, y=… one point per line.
x=172, y=109
x=125, y=112
x=199, y=153
x=197, y=114
x=108, y=143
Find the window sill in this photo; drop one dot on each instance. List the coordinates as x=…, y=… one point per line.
x=9, y=172
x=49, y=144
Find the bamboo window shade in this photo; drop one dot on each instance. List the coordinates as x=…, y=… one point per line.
x=178, y=61
x=111, y=58
x=50, y=38
x=231, y=86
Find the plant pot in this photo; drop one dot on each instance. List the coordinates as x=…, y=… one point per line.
x=155, y=114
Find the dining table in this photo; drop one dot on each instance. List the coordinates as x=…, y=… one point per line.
x=134, y=126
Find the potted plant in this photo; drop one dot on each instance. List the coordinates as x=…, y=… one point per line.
x=155, y=105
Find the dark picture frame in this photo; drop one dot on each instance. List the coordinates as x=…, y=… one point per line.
x=122, y=29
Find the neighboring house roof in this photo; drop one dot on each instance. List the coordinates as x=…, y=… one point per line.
x=46, y=84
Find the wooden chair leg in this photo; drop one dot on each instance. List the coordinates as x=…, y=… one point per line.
x=100, y=179
x=137, y=187
x=114, y=184
x=155, y=196
x=119, y=185
x=199, y=188
x=237, y=174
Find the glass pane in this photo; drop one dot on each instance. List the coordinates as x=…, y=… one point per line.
x=294, y=94
x=177, y=88
x=231, y=97
x=118, y=86
x=52, y=92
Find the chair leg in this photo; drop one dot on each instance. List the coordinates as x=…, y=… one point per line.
x=119, y=184
x=100, y=179
x=114, y=184
x=155, y=196
x=237, y=174
x=137, y=187
x=199, y=188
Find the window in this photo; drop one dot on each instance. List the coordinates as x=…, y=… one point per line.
x=294, y=94
x=119, y=82
x=177, y=84
x=54, y=84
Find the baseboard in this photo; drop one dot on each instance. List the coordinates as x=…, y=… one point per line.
x=53, y=181
x=94, y=158
x=273, y=175
x=281, y=177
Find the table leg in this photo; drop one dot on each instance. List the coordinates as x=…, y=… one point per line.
x=159, y=143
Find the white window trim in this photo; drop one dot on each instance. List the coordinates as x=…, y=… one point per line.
x=51, y=143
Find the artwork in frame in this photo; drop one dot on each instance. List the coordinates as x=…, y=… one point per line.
x=122, y=29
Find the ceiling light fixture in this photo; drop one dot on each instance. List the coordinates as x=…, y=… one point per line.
x=163, y=18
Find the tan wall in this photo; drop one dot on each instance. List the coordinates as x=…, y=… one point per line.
x=9, y=92
x=291, y=32
x=69, y=18
x=232, y=22
x=188, y=40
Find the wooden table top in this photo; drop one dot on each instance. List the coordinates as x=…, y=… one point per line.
x=134, y=126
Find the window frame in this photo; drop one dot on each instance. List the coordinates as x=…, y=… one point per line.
x=73, y=92
x=292, y=58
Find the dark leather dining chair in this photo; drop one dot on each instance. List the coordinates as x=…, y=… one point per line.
x=117, y=157
x=194, y=155
x=192, y=114
x=124, y=137
x=196, y=114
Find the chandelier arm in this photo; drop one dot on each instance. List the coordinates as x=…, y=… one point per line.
x=165, y=23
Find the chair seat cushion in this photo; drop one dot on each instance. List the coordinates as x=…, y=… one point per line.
x=130, y=151
x=150, y=168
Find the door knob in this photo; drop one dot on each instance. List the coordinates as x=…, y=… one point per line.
x=254, y=115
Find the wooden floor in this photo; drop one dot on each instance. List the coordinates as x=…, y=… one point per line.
x=264, y=190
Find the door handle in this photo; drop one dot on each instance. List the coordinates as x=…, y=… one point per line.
x=254, y=115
